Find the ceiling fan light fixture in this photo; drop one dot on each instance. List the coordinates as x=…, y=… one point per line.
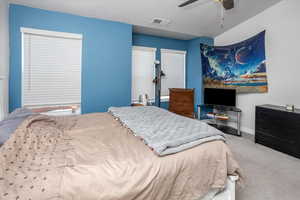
x=224, y=5
x=227, y=4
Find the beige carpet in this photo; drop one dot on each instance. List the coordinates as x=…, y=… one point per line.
x=269, y=174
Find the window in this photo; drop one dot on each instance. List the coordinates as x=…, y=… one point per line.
x=173, y=65
x=51, y=68
x=143, y=72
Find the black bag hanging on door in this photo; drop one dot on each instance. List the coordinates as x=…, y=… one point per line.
x=157, y=81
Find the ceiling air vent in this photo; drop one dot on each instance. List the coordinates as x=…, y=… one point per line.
x=160, y=21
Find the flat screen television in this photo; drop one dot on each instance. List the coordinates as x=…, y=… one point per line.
x=221, y=97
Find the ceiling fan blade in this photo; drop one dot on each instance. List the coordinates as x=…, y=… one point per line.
x=187, y=3
x=228, y=4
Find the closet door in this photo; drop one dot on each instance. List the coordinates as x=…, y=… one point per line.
x=143, y=72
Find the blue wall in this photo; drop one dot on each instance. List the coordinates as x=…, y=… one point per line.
x=194, y=67
x=106, y=59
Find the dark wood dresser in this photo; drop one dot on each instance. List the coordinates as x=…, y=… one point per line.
x=278, y=128
x=182, y=102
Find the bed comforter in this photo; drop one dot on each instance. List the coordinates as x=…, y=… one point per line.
x=93, y=157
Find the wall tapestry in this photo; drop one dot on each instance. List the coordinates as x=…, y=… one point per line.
x=241, y=66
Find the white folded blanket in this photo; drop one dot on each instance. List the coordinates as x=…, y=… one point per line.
x=163, y=131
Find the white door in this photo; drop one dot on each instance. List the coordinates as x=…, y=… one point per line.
x=143, y=72
x=173, y=65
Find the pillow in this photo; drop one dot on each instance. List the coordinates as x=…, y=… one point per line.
x=11, y=123
x=20, y=112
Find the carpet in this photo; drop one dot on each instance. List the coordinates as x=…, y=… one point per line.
x=269, y=174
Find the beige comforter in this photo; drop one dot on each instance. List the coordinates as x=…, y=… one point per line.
x=92, y=157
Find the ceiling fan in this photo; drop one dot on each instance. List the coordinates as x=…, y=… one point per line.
x=227, y=4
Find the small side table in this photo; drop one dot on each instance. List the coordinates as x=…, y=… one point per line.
x=216, y=110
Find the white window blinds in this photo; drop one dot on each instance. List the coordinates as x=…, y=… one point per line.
x=51, y=68
x=173, y=65
x=143, y=72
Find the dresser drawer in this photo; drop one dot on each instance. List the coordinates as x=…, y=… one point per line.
x=182, y=101
x=274, y=129
x=277, y=128
x=279, y=124
x=286, y=146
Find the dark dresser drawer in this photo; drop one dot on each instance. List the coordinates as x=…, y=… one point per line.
x=289, y=147
x=277, y=128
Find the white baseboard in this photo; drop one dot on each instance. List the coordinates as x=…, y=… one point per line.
x=248, y=130
x=243, y=129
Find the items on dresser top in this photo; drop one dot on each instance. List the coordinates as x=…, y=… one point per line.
x=182, y=102
x=144, y=99
x=278, y=128
x=290, y=107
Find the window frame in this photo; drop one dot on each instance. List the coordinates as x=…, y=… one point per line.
x=47, y=33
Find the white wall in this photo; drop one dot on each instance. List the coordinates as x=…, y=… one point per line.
x=282, y=25
x=4, y=58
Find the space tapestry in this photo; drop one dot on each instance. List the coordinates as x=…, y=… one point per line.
x=241, y=66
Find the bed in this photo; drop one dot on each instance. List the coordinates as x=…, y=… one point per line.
x=96, y=157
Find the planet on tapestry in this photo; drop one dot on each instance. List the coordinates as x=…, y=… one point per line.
x=241, y=66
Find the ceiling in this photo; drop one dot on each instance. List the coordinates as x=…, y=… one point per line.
x=199, y=19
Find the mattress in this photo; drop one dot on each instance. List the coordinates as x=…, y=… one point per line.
x=93, y=157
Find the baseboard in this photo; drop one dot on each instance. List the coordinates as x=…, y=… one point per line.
x=248, y=130
x=247, y=134
x=243, y=129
